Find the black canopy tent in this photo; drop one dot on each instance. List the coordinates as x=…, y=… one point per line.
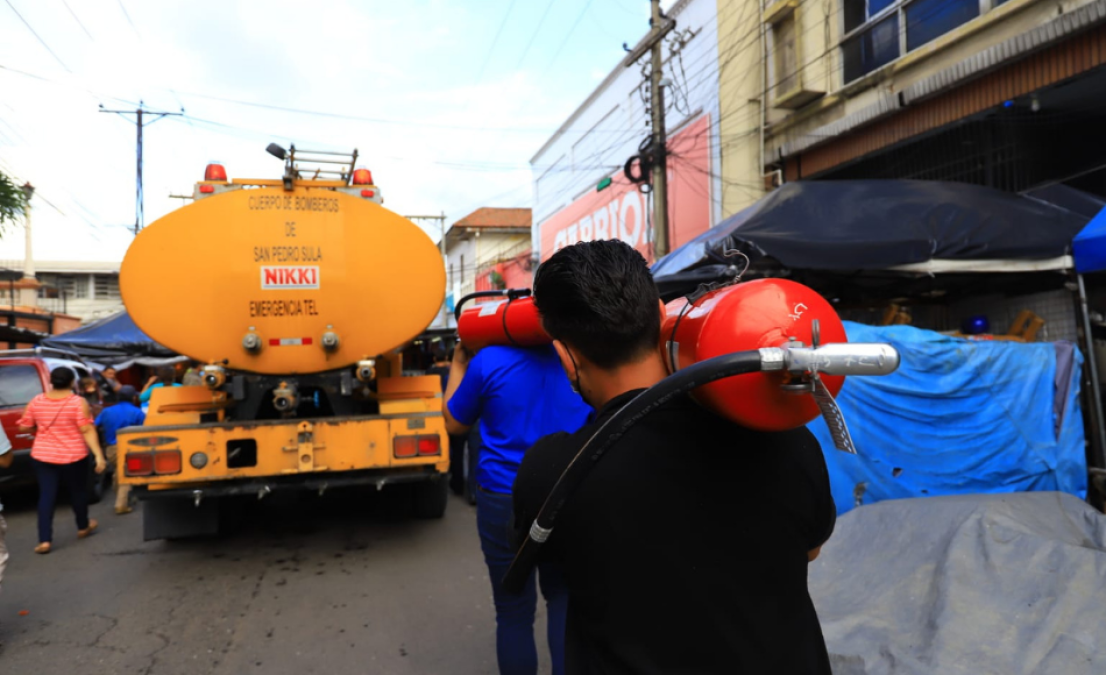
x=865, y=241
x=114, y=340
x=881, y=238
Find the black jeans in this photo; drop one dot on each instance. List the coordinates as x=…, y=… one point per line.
x=75, y=477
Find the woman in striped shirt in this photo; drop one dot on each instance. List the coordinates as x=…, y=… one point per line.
x=63, y=434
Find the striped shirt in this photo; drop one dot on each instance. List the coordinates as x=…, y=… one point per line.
x=57, y=423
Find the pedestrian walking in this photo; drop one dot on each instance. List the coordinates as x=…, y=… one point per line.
x=686, y=548
x=109, y=385
x=6, y=457
x=518, y=395
x=62, y=424
x=125, y=413
x=90, y=392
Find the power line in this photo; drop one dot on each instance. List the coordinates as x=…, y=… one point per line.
x=565, y=41
x=78, y=20
x=38, y=37
x=127, y=14
x=495, y=40
x=537, y=31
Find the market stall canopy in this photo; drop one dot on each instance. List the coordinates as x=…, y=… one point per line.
x=1089, y=246
x=883, y=224
x=114, y=340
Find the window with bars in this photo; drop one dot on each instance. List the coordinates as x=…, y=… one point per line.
x=107, y=286
x=73, y=286
x=879, y=31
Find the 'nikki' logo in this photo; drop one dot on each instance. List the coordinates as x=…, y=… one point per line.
x=275, y=278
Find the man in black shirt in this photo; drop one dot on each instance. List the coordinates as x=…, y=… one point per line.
x=686, y=547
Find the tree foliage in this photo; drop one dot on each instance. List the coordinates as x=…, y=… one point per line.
x=12, y=199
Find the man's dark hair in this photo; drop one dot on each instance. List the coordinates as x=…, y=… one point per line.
x=62, y=377
x=166, y=375
x=599, y=297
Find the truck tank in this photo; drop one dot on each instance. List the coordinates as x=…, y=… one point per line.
x=279, y=282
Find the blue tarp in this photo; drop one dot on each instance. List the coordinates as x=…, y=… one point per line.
x=115, y=337
x=1089, y=246
x=959, y=417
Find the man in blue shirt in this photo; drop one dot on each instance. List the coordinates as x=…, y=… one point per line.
x=518, y=395
x=125, y=413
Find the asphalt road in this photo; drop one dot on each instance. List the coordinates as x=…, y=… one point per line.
x=346, y=584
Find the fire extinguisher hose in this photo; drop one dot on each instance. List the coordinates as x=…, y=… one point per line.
x=680, y=382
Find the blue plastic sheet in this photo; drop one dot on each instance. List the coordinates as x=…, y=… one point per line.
x=958, y=417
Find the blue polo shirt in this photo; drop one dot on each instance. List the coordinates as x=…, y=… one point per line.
x=519, y=395
x=122, y=414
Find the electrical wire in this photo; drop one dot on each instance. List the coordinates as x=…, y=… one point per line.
x=38, y=37
x=537, y=31
x=564, y=42
x=78, y=20
x=495, y=40
x=128, y=16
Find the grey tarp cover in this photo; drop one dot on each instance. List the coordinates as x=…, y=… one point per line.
x=975, y=584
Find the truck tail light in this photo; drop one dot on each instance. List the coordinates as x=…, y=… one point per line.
x=167, y=462
x=161, y=463
x=415, y=446
x=368, y=193
x=429, y=445
x=140, y=464
x=207, y=189
x=405, y=446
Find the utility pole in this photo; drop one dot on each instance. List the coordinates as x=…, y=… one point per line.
x=441, y=228
x=139, y=113
x=441, y=246
x=657, y=154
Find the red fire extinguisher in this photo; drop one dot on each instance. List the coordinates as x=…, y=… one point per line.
x=513, y=320
x=714, y=321
x=752, y=315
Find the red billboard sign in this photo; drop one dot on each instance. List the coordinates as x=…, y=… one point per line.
x=623, y=212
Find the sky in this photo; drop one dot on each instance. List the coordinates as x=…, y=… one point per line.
x=446, y=100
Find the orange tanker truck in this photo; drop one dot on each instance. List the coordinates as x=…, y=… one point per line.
x=296, y=296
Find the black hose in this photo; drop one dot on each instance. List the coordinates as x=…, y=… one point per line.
x=680, y=382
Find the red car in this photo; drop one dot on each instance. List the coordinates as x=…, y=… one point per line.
x=25, y=373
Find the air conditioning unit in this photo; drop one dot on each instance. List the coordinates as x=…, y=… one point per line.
x=772, y=180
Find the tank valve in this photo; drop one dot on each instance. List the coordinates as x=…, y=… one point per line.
x=251, y=342
x=330, y=341
x=366, y=370
x=285, y=399
x=214, y=376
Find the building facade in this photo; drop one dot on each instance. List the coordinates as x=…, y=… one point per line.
x=1004, y=93
x=487, y=249
x=86, y=290
x=573, y=201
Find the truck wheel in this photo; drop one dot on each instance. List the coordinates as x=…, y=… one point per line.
x=430, y=498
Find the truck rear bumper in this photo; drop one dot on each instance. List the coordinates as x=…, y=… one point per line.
x=320, y=482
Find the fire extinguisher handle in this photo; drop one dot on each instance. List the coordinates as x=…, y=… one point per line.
x=844, y=358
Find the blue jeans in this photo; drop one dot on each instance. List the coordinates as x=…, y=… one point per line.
x=75, y=477
x=514, y=614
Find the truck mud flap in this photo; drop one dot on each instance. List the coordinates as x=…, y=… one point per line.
x=179, y=518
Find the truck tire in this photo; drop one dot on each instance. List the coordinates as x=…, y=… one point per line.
x=430, y=498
